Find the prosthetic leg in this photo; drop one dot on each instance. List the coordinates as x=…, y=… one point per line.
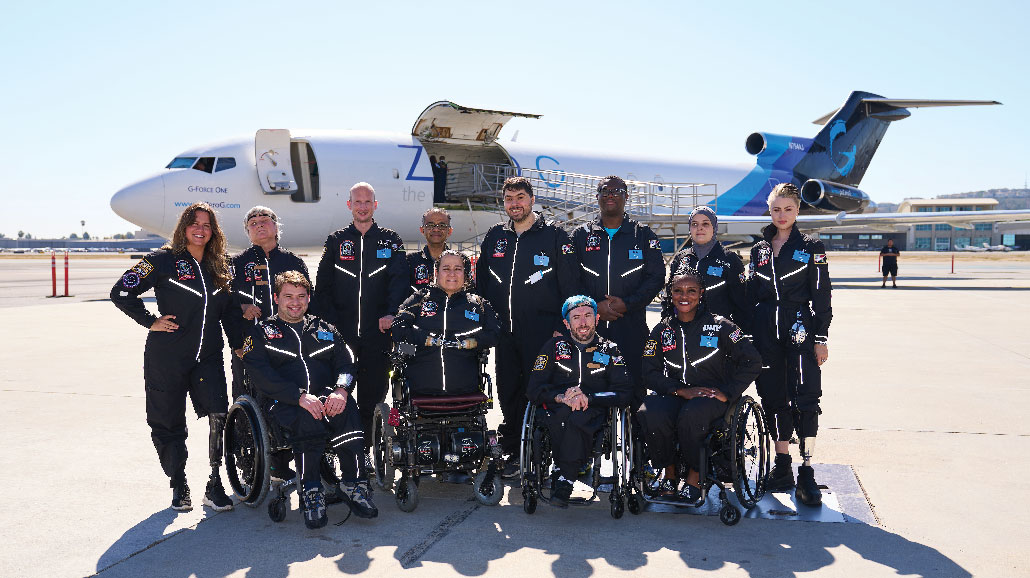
x=807, y=491
x=214, y=494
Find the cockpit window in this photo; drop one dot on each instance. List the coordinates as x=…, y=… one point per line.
x=181, y=163
x=206, y=164
x=225, y=163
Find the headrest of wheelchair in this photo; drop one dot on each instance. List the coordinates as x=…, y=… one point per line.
x=577, y=301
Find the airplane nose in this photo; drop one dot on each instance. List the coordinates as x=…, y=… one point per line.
x=141, y=203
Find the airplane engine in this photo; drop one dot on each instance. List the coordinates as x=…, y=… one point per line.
x=830, y=197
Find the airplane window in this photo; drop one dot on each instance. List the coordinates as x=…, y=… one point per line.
x=225, y=163
x=181, y=163
x=206, y=164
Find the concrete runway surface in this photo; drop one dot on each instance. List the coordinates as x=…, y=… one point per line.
x=925, y=399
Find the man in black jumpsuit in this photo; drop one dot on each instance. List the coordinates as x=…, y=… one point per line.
x=621, y=267
x=254, y=272
x=575, y=379
x=362, y=280
x=436, y=227
x=305, y=371
x=526, y=269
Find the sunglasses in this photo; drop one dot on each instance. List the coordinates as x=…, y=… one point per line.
x=606, y=192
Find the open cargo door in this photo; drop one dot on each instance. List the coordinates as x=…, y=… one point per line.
x=445, y=121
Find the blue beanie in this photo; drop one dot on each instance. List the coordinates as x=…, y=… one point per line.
x=577, y=301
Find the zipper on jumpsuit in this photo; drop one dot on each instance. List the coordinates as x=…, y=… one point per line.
x=361, y=271
x=776, y=288
x=203, y=318
x=270, y=280
x=300, y=352
x=686, y=356
x=443, y=367
x=511, y=284
x=608, y=273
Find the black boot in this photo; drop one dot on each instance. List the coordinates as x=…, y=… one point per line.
x=808, y=491
x=181, y=494
x=781, y=478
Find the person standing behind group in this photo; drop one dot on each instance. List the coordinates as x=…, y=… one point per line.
x=723, y=273
x=254, y=272
x=790, y=286
x=526, y=269
x=890, y=255
x=191, y=281
x=621, y=268
x=436, y=228
x=362, y=280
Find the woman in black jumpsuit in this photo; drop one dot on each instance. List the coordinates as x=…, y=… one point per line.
x=790, y=287
x=447, y=324
x=696, y=363
x=191, y=281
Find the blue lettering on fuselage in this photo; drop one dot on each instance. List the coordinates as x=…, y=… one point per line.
x=546, y=180
x=199, y=189
x=414, y=163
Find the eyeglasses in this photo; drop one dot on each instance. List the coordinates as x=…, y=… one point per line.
x=440, y=226
x=606, y=192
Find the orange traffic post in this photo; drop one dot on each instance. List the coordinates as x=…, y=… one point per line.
x=879, y=259
x=53, y=273
x=65, y=273
x=953, y=263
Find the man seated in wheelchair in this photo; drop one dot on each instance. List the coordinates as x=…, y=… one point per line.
x=575, y=380
x=696, y=363
x=449, y=326
x=302, y=365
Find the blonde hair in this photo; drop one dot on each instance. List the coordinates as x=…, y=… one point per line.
x=784, y=191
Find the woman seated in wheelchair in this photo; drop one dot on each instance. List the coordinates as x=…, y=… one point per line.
x=696, y=363
x=575, y=380
x=447, y=324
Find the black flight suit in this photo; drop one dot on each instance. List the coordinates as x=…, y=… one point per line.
x=188, y=359
x=627, y=265
x=725, y=283
x=792, y=313
x=421, y=268
x=253, y=283
x=598, y=368
x=285, y=360
x=439, y=370
x=526, y=278
x=709, y=351
x=360, y=279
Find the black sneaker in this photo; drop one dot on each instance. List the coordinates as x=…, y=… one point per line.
x=359, y=497
x=181, y=497
x=280, y=470
x=690, y=494
x=214, y=495
x=781, y=478
x=562, y=492
x=511, y=467
x=313, y=502
x=334, y=494
x=808, y=491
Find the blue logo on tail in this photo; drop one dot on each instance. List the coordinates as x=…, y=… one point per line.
x=838, y=129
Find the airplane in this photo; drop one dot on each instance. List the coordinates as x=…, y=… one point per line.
x=984, y=247
x=305, y=176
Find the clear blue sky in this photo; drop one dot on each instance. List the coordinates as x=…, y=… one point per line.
x=99, y=94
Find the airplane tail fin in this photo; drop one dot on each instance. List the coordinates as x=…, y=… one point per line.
x=842, y=150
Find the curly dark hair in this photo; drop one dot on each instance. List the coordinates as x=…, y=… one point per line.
x=215, y=257
x=466, y=264
x=667, y=305
x=517, y=184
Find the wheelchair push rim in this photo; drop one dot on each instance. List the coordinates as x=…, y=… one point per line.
x=246, y=451
x=751, y=450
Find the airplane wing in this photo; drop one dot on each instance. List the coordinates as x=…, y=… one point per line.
x=889, y=221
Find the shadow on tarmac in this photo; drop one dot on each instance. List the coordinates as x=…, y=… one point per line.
x=466, y=537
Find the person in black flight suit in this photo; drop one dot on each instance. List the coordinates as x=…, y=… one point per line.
x=575, y=379
x=191, y=281
x=725, y=282
x=446, y=323
x=302, y=365
x=695, y=362
x=790, y=286
x=436, y=227
x=254, y=272
x=362, y=279
x=621, y=267
x=890, y=263
x=526, y=269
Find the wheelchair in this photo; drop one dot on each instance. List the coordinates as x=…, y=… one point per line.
x=736, y=452
x=426, y=435
x=251, y=438
x=613, y=441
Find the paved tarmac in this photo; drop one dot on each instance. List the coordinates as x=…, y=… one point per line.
x=925, y=395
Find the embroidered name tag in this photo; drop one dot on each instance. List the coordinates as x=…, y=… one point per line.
x=541, y=260
x=715, y=271
x=709, y=341
x=471, y=315
x=602, y=358
x=636, y=254
x=801, y=256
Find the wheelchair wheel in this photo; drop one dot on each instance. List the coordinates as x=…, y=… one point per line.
x=277, y=509
x=729, y=514
x=618, y=507
x=632, y=501
x=529, y=500
x=406, y=494
x=246, y=451
x=750, y=450
x=488, y=492
x=382, y=447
